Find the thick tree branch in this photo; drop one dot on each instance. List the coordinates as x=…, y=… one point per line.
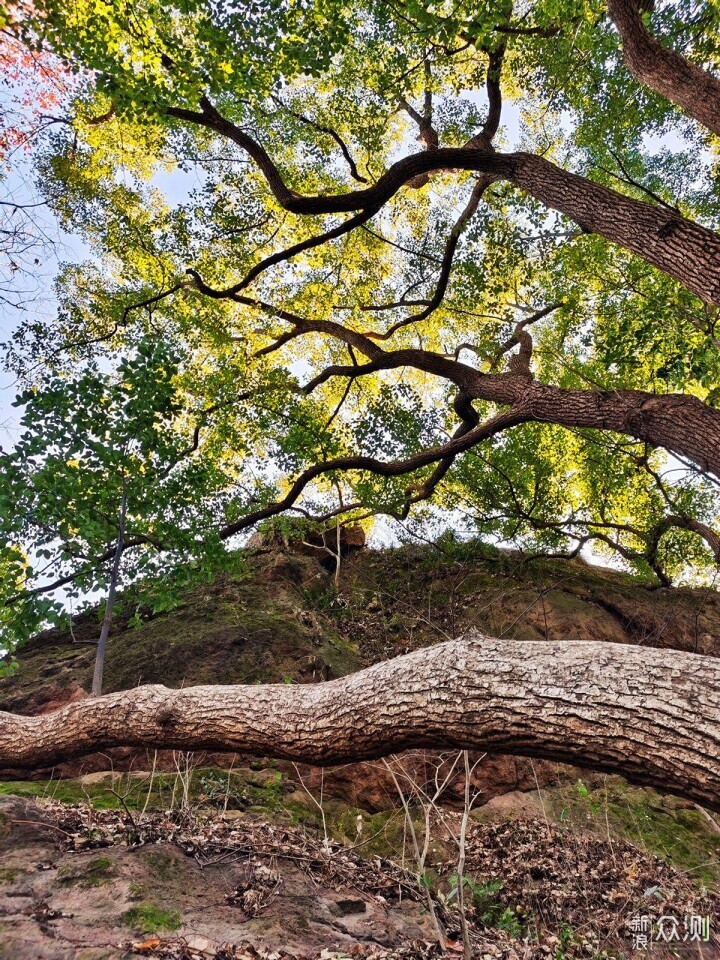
x=680, y=423
x=664, y=70
x=684, y=250
x=382, y=468
x=612, y=707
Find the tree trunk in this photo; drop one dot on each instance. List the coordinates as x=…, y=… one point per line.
x=664, y=70
x=650, y=715
x=110, y=601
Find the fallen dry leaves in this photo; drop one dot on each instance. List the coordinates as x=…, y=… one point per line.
x=539, y=891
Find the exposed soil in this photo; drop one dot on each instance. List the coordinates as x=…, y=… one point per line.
x=88, y=884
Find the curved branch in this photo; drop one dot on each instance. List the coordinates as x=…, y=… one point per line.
x=613, y=707
x=681, y=248
x=309, y=244
x=681, y=423
x=470, y=419
x=664, y=70
x=382, y=468
x=481, y=185
x=515, y=338
x=485, y=138
x=682, y=523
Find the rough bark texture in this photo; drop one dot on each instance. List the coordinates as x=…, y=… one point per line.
x=664, y=70
x=684, y=250
x=638, y=712
x=680, y=423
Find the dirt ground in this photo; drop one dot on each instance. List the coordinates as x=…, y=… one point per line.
x=77, y=882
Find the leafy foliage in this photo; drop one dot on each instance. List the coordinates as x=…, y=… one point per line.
x=85, y=441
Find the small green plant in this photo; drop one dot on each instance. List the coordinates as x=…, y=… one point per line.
x=270, y=794
x=149, y=918
x=566, y=936
x=217, y=790
x=584, y=793
x=490, y=908
x=510, y=922
x=322, y=598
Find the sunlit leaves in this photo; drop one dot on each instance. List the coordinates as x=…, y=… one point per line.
x=154, y=196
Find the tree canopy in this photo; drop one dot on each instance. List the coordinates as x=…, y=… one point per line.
x=445, y=262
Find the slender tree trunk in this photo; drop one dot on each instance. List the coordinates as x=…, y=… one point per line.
x=664, y=70
x=110, y=601
x=650, y=715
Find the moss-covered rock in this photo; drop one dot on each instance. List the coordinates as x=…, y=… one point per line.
x=682, y=834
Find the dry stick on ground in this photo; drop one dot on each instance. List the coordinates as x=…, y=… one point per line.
x=429, y=804
x=468, y=804
x=184, y=762
x=150, y=785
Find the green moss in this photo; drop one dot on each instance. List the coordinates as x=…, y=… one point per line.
x=93, y=873
x=149, y=918
x=163, y=866
x=104, y=795
x=663, y=826
x=7, y=875
x=65, y=791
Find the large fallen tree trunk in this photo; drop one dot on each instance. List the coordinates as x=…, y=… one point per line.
x=651, y=715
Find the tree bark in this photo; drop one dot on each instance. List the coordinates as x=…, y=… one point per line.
x=679, y=422
x=665, y=71
x=684, y=250
x=650, y=715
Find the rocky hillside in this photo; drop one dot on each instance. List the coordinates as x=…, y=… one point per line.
x=558, y=855
x=283, y=619
x=279, y=616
